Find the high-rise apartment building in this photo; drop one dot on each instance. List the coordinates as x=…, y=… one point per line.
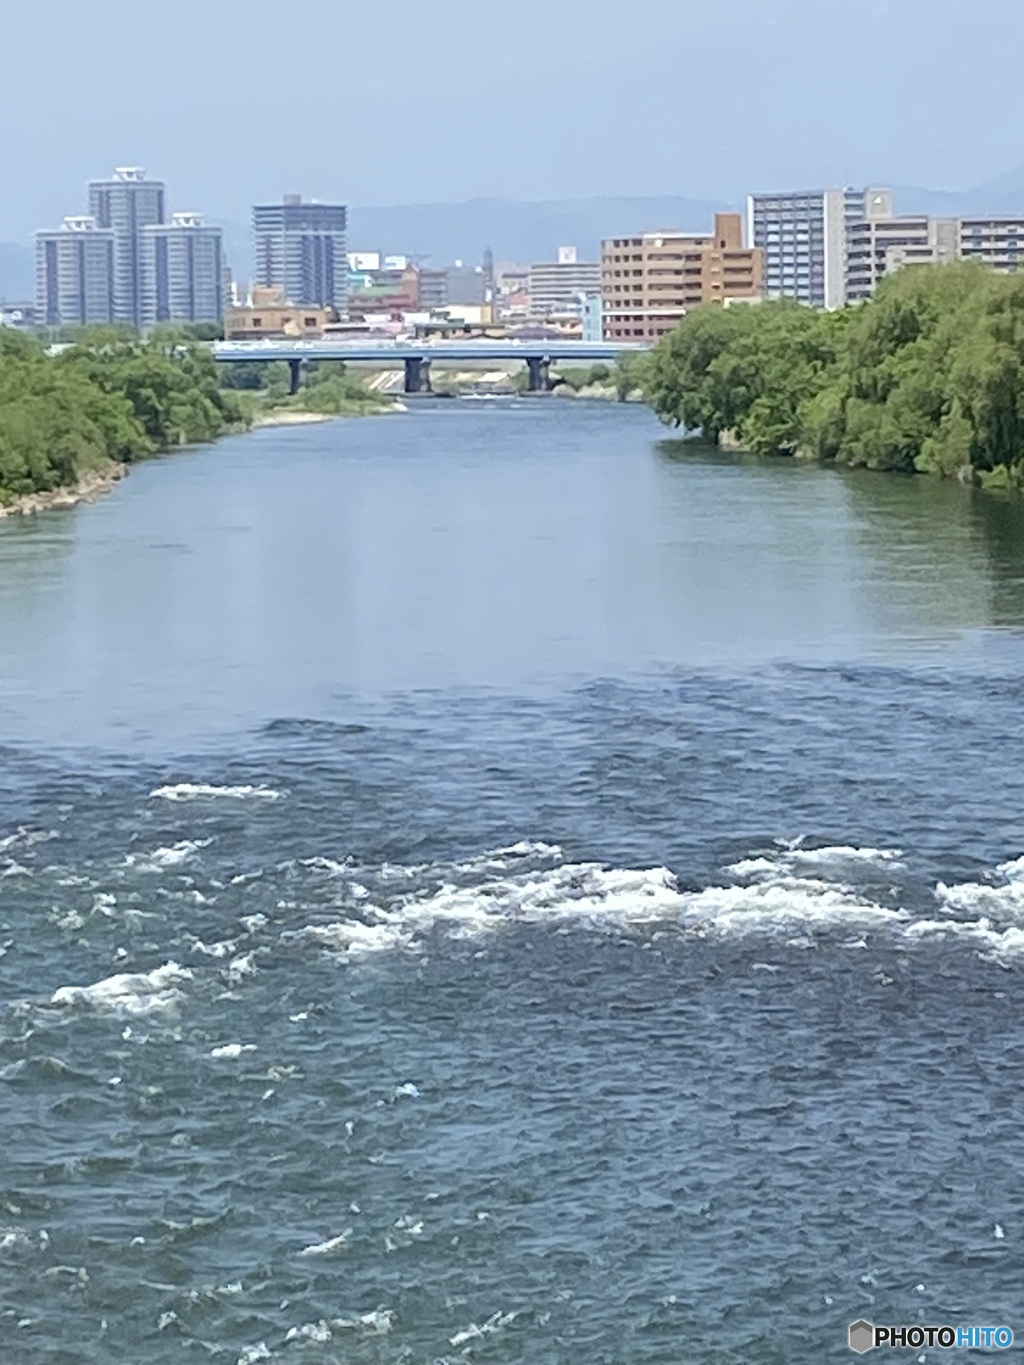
x=75, y=274
x=803, y=235
x=878, y=245
x=995, y=242
x=561, y=286
x=124, y=205
x=300, y=247
x=182, y=271
x=649, y=282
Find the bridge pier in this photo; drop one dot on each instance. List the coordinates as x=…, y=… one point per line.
x=539, y=368
x=295, y=366
x=417, y=375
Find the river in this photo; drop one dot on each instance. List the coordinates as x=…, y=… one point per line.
x=494, y=884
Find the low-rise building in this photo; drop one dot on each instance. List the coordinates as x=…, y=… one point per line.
x=996, y=242
x=269, y=314
x=394, y=291
x=561, y=286
x=649, y=282
x=876, y=246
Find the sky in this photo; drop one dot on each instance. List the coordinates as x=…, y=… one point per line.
x=237, y=101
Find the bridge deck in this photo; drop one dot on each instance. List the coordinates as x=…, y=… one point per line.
x=395, y=353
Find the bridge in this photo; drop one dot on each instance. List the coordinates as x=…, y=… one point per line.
x=417, y=356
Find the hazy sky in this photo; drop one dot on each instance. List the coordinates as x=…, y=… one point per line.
x=231, y=101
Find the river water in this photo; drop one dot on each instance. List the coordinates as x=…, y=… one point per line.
x=490, y=884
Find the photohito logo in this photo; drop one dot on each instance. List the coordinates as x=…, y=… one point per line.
x=864, y=1336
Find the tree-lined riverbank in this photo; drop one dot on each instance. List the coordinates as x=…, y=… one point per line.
x=72, y=424
x=928, y=376
x=74, y=421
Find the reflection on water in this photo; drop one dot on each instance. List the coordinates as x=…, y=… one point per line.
x=905, y=561
x=507, y=546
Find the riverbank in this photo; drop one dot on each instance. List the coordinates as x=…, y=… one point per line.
x=294, y=417
x=90, y=486
x=72, y=424
x=926, y=377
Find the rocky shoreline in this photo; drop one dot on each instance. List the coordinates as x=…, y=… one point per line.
x=92, y=485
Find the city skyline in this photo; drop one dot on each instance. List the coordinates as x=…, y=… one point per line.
x=125, y=261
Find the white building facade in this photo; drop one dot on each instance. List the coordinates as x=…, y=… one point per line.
x=75, y=274
x=804, y=235
x=182, y=271
x=559, y=287
x=124, y=205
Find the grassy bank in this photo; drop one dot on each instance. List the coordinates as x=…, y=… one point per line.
x=263, y=388
x=928, y=376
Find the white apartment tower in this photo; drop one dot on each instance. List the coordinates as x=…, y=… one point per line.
x=803, y=235
x=75, y=274
x=124, y=205
x=181, y=271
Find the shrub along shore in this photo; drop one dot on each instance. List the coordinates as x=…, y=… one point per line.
x=928, y=376
x=71, y=424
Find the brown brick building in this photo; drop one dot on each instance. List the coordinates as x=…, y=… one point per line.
x=648, y=283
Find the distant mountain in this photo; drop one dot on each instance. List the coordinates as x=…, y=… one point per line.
x=517, y=230
x=1003, y=194
x=17, y=273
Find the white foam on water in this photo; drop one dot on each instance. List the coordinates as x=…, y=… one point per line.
x=329, y=865
x=23, y=837
x=1001, y=898
x=473, y=1333
x=328, y=1247
x=785, y=903
x=502, y=859
x=130, y=992
x=173, y=856
x=355, y=939
x=310, y=1331
x=197, y=791
x=381, y=1321
x=847, y=853
x=251, y=1354
x=222, y=948
x=232, y=1050
x=994, y=907
x=753, y=867
x=631, y=898
x=793, y=856
x=773, y=895
x=240, y=967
